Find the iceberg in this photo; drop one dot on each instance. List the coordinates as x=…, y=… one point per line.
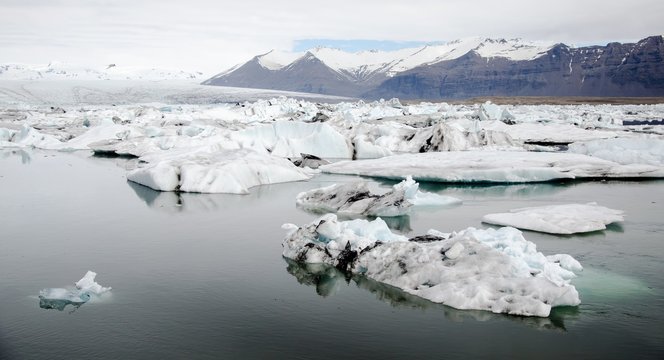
x=623, y=151
x=356, y=199
x=289, y=139
x=493, y=167
x=493, y=270
x=223, y=171
x=558, y=219
x=84, y=290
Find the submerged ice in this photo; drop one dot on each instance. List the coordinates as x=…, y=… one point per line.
x=83, y=291
x=493, y=270
x=357, y=199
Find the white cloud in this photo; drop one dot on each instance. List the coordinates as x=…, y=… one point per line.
x=213, y=35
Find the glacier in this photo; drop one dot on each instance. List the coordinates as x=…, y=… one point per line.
x=493, y=270
x=563, y=219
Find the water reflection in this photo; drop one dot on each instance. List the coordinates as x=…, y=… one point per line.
x=24, y=155
x=328, y=281
x=170, y=201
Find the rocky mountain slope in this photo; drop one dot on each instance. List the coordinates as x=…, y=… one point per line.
x=461, y=69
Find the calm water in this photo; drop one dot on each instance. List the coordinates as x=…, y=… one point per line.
x=201, y=276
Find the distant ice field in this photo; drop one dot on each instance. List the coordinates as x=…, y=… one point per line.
x=110, y=92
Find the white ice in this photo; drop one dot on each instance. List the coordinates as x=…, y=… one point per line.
x=624, y=151
x=493, y=270
x=132, y=119
x=357, y=199
x=493, y=166
x=222, y=171
x=85, y=289
x=558, y=219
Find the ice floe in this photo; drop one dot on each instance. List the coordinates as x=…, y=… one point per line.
x=624, y=151
x=222, y=171
x=84, y=290
x=493, y=167
x=493, y=138
x=357, y=199
x=558, y=219
x=493, y=270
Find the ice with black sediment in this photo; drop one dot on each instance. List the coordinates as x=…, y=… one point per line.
x=357, y=199
x=493, y=270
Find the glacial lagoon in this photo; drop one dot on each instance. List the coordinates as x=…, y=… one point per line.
x=202, y=276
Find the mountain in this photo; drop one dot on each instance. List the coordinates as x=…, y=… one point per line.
x=461, y=69
x=62, y=71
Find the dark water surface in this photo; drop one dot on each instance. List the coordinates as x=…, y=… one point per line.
x=201, y=276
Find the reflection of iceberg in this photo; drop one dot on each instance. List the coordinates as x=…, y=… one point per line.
x=25, y=156
x=328, y=281
x=176, y=201
x=84, y=290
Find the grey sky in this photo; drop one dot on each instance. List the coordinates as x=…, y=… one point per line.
x=210, y=35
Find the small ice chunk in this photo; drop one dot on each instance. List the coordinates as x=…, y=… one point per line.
x=558, y=219
x=85, y=290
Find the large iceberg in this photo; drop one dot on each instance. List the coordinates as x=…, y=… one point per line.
x=222, y=171
x=493, y=270
x=84, y=290
x=493, y=167
x=290, y=139
x=357, y=199
x=558, y=219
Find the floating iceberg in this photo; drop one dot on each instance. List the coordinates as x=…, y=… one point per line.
x=624, y=151
x=290, y=139
x=493, y=167
x=558, y=219
x=224, y=171
x=356, y=199
x=85, y=290
x=493, y=270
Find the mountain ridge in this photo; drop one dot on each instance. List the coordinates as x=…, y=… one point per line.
x=463, y=68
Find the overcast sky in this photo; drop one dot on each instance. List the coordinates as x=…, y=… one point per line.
x=210, y=36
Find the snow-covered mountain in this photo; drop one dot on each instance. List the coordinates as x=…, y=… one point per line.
x=62, y=71
x=365, y=64
x=424, y=71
